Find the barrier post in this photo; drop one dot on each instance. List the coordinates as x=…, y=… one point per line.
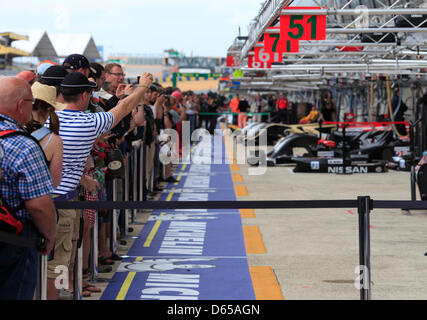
x=142, y=172
x=135, y=145
x=113, y=233
x=126, y=188
x=93, y=262
x=78, y=263
x=364, y=208
x=41, y=291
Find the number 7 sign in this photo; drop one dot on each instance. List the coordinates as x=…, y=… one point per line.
x=300, y=27
x=273, y=43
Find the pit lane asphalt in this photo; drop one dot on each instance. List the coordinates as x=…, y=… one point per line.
x=314, y=253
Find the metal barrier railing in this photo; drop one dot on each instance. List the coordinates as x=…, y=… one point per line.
x=364, y=204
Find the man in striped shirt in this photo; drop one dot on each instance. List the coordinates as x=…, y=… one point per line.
x=79, y=130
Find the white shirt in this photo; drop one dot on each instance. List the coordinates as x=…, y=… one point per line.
x=79, y=131
x=189, y=109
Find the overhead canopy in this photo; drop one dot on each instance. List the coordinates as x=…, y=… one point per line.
x=66, y=44
x=6, y=48
x=388, y=38
x=13, y=36
x=12, y=52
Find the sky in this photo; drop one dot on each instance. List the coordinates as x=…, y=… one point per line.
x=193, y=27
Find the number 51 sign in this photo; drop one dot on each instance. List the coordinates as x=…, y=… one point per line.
x=303, y=27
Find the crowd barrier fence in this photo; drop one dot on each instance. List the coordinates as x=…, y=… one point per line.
x=364, y=204
x=135, y=179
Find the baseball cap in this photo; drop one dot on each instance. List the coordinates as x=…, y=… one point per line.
x=77, y=61
x=42, y=67
x=77, y=83
x=26, y=75
x=96, y=70
x=53, y=76
x=177, y=95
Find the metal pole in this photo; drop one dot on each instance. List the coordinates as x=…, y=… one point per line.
x=41, y=290
x=142, y=173
x=152, y=171
x=364, y=209
x=126, y=188
x=78, y=262
x=94, y=251
x=135, y=179
x=113, y=233
x=412, y=150
x=355, y=12
x=78, y=274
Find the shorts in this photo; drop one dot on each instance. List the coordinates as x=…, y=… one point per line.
x=67, y=234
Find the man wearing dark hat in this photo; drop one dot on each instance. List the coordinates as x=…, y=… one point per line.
x=79, y=130
x=53, y=77
x=77, y=62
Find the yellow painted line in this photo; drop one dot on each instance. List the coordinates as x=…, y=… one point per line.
x=126, y=284
x=253, y=240
x=237, y=178
x=156, y=226
x=178, y=179
x=241, y=190
x=152, y=234
x=184, y=167
x=128, y=281
x=169, y=198
x=247, y=213
x=234, y=167
x=266, y=286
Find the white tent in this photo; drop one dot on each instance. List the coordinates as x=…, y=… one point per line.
x=39, y=44
x=66, y=44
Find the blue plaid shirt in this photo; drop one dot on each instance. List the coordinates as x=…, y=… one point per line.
x=24, y=173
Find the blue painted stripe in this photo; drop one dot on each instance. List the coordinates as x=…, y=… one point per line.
x=193, y=254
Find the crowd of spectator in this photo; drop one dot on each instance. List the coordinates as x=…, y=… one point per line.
x=278, y=109
x=63, y=124
x=71, y=118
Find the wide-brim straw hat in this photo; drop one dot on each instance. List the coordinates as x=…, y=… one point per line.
x=46, y=94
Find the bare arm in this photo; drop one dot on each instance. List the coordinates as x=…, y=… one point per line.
x=55, y=167
x=125, y=106
x=139, y=116
x=159, y=106
x=43, y=214
x=167, y=121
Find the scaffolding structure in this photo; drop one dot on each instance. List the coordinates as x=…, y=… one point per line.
x=391, y=35
x=7, y=52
